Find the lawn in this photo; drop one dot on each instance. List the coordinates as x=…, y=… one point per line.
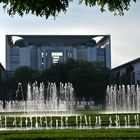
x=71, y=134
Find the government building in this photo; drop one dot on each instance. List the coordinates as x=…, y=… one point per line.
x=41, y=51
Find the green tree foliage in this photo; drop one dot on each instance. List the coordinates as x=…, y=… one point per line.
x=58, y=72
x=53, y=7
x=116, y=6
x=89, y=80
x=37, y=7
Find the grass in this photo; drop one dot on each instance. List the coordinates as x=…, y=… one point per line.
x=71, y=134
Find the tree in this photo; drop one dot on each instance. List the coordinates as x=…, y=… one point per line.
x=53, y=7
x=89, y=80
x=57, y=72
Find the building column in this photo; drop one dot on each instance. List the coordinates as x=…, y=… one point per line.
x=88, y=54
x=49, y=58
x=39, y=59
x=64, y=55
x=44, y=56
x=74, y=51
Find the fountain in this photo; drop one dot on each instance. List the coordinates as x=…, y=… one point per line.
x=50, y=108
x=62, y=122
x=98, y=121
x=123, y=99
x=90, y=126
x=41, y=100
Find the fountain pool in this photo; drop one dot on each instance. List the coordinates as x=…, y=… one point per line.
x=96, y=121
x=51, y=108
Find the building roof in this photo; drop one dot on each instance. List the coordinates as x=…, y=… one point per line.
x=56, y=39
x=1, y=67
x=128, y=63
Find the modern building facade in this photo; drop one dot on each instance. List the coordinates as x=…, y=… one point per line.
x=128, y=73
x=41, y=51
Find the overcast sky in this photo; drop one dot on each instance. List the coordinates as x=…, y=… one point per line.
x=79, y=19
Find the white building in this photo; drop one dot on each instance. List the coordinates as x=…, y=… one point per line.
x=40, y=51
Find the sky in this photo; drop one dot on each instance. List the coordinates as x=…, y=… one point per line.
x=81, y=20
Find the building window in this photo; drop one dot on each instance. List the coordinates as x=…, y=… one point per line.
x=42, y=57
x=42, y=54
x=57, y=56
